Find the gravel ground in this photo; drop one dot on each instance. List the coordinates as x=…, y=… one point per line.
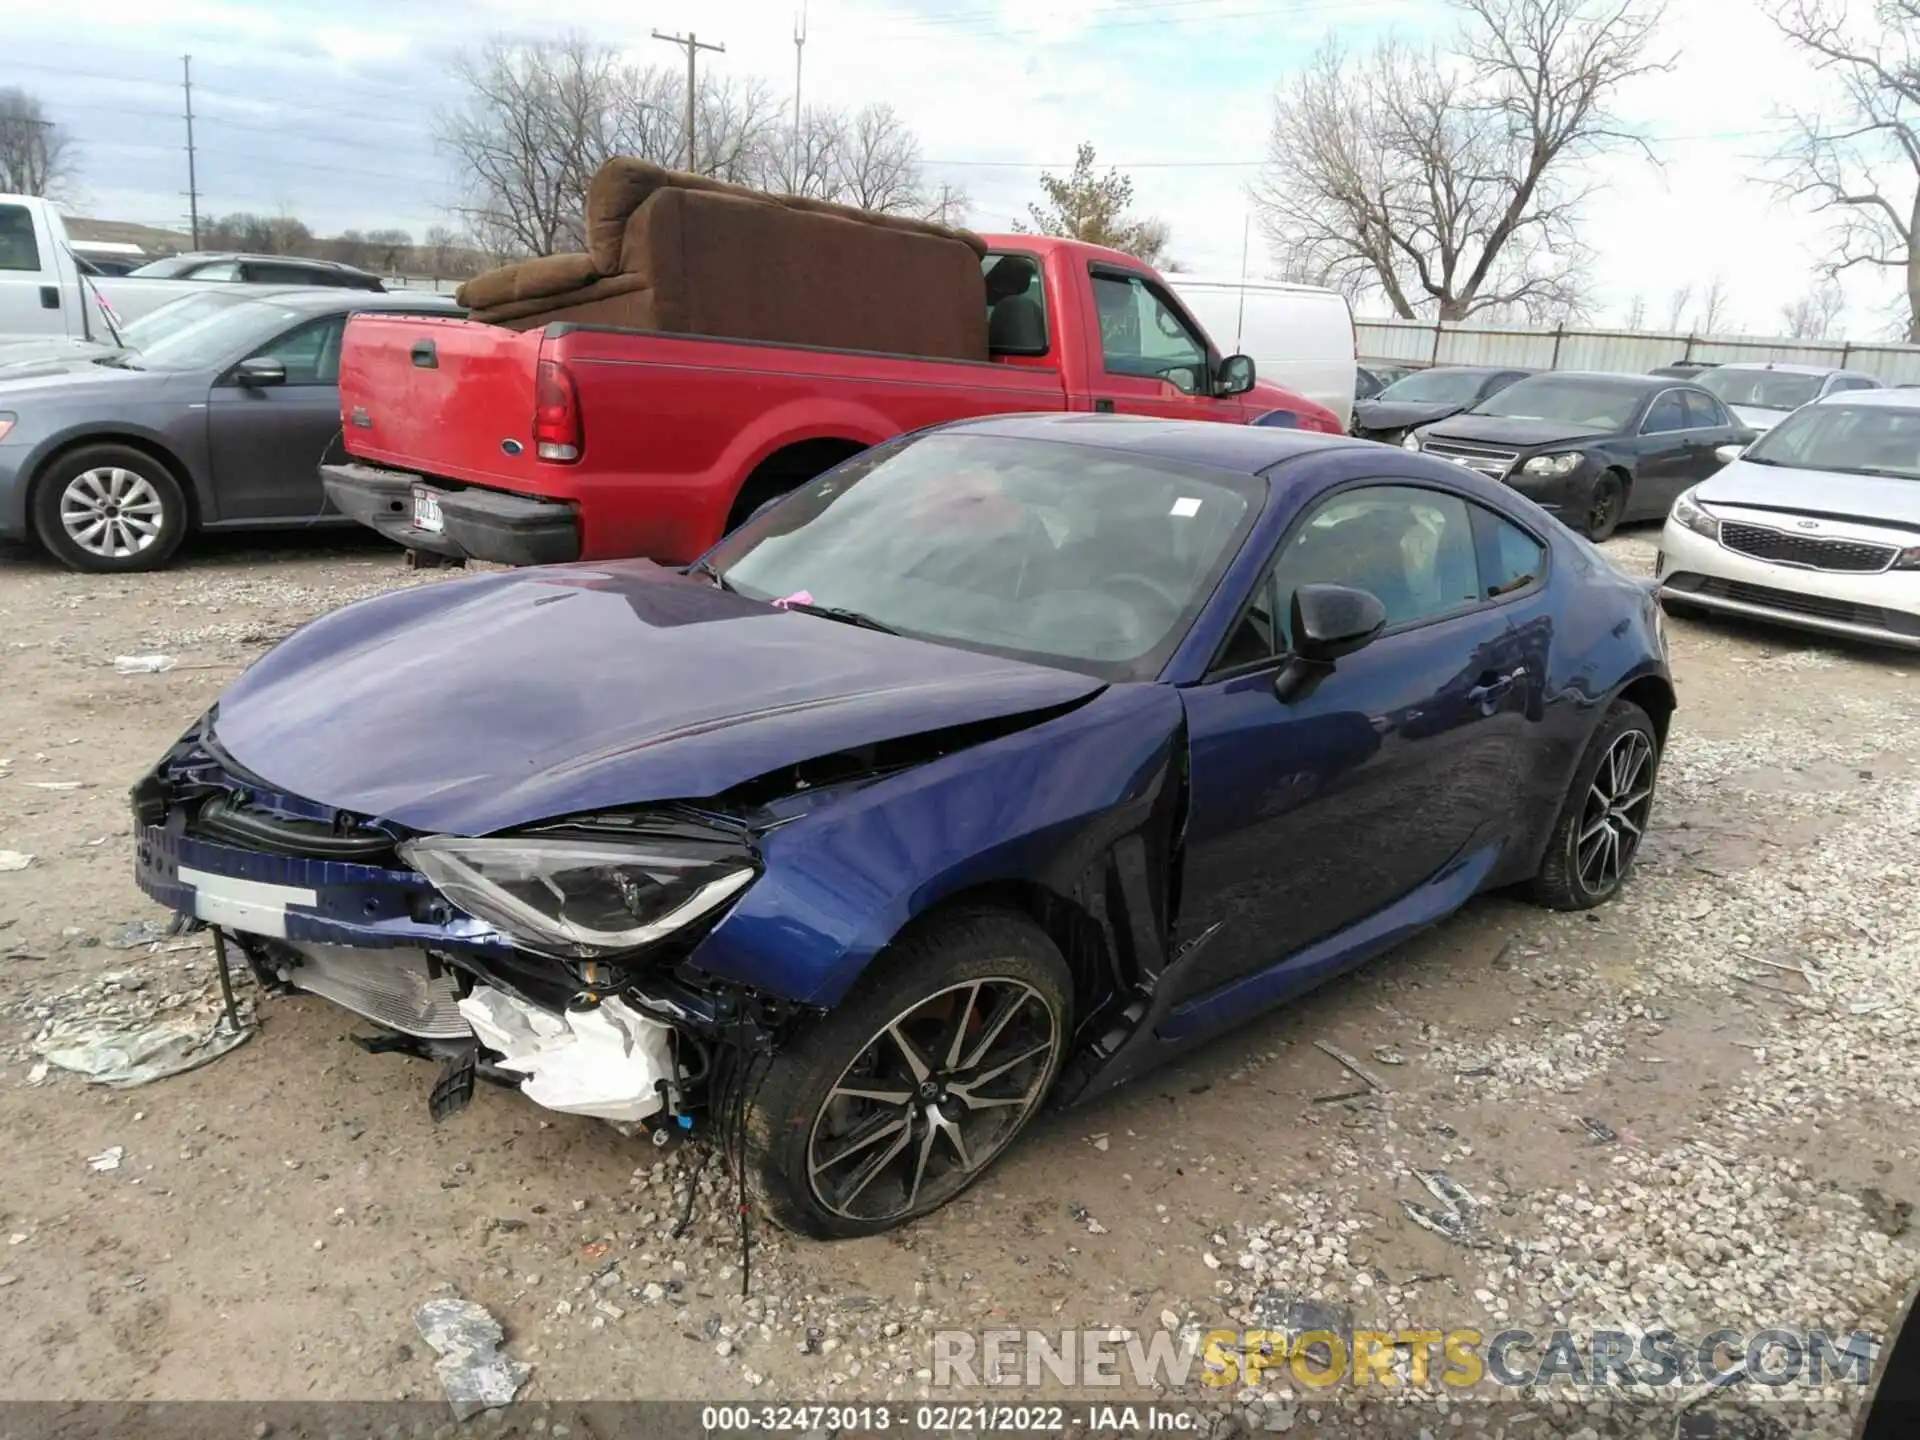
x=1693, y=1109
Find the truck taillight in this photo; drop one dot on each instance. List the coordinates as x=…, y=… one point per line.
x=556, y=414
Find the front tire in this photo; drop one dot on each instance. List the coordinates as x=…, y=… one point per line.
x=1604, y=815
x=909, y=1089
x=109, y=509
x=1606, y=505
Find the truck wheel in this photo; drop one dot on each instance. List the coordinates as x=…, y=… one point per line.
x=109, y=508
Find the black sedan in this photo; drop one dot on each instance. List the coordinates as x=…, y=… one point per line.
x=215, y=414
x=1592, y=449
x=1426, y=396
x=1370, y=380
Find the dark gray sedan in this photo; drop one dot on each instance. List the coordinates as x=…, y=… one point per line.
x=215, y=415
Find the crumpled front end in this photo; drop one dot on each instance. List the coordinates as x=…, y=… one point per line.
x=326, y=902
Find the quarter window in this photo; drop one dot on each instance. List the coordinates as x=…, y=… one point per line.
x=1016, y=305
x=1141, y=334
x=1515, y=559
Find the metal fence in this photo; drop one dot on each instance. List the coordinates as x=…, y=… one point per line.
x=1416, y=342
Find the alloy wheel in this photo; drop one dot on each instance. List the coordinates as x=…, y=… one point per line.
x=1614, y=818
x=111, y=512
x=931, y=1099
x=1601, y=512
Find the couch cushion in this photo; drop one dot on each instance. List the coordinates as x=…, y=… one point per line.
x=551, y=307
x=528, y=280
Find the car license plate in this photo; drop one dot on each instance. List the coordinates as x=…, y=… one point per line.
x=426, y=512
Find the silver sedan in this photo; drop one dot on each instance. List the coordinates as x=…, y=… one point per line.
x=1816, y=525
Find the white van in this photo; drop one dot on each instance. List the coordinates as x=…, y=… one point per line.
x=1300, y=336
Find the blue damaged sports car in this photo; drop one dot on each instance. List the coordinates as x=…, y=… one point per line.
x=986, y=770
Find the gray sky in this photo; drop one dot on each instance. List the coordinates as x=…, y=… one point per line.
x=331, y=118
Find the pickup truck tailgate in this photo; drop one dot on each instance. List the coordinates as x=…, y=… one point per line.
x=441, y=397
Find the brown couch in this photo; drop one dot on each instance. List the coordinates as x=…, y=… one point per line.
x=692, y=256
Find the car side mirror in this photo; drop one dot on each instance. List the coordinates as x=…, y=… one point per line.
x=259, y=372
x=1329, y=622
x=1727, y=454
x=1236, y=376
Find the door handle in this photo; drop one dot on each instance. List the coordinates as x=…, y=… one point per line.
x=425, y=356
x=49, y=297
x=1493, y=688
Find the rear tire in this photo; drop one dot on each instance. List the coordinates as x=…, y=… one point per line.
x=1604, y=815
x=109, y=509
x=851, y=1131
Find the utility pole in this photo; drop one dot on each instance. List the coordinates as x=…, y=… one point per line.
x=799, y=44
x=193, y=184
x=693, y=45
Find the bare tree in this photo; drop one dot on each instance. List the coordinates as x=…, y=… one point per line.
x=1452, y=184
x=1714, y=309
x=1861, y=165
x=1677, y=307
x=1812, y=316
x=446, y=258
x=1636, y=316
x=36, y=155
x=809, y=159
x=1093, y=207
x=879, y=162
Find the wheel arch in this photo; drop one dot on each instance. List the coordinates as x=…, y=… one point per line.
x=1655, y=695
x=786, y=468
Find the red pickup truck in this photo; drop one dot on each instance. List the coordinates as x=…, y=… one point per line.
x=579, y=442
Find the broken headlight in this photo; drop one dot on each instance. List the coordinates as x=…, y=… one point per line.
x=576, y=899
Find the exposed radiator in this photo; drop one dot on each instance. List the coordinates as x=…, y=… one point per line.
x=390, y=987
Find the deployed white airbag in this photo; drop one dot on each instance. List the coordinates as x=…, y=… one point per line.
x=604, y=1062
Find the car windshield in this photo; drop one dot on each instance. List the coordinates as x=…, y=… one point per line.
x=1578, y=400
x=1435, y=387
x=1850, y=439
x=1761, y=389
x=177, y=315
x=1064, y=554
x=212, y=336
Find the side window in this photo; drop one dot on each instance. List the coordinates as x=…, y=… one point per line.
x=1852, y=382
x=1411, y=548
x=310, y=353
x=1667, y=414
x=1016, y=305
x=267, y=273
x=1704, y=412
x=18, y=248
x=1500, y=382
x=217, y=270
x=1142, y=335
x=1511, y=559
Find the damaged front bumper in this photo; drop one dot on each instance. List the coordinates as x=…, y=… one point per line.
x=629, y=1042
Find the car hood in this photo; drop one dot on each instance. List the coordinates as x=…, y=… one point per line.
x=1754, y=418
x=1401, y=414
x=1519, y=434
x=22, y=359
x=476, y=705
x=1870, y=498
x=62, y=380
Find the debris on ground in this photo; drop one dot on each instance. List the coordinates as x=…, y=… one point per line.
x=1458, y=1215
x=1371, y=1080
x=1891, y=1217
x=1387, y=1055
x=472, y=1369
x=136, y=933
x=1602, y=1132
x=107, y=1159
x=142, y=664
x=14, y=860
x=124, y=1058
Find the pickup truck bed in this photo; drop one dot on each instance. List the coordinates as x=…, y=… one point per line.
x=585, y=442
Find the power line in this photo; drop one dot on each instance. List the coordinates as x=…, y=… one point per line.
x=693, y=45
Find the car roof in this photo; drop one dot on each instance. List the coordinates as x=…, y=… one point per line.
x=1892, y=397
x=308, y=262
x=1241, y=449
x=1624, y=380
x=1471, y=370
x=323, y=298
x=1784, y=367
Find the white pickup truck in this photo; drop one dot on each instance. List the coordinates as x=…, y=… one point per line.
x=44, y=296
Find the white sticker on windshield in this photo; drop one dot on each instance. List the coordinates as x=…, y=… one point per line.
x=1186, y=507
